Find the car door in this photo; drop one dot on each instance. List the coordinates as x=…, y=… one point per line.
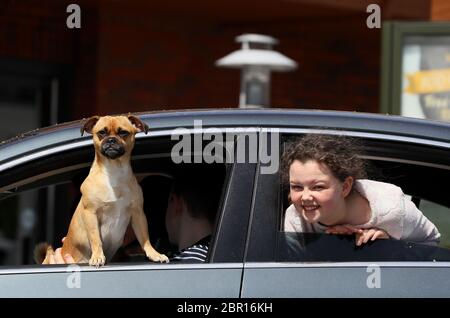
x=278, y=264
x=221, y=276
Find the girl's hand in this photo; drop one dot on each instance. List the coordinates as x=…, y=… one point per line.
x=343, y=229
x=370, y=234
x=362, y=235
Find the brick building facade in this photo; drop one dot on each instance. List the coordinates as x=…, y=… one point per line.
x=138, y=56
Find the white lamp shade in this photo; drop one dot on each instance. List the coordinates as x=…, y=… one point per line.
x=256, y=38
x=273, y=60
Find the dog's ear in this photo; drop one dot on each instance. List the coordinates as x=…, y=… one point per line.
x=139, y=124
x=89, y=124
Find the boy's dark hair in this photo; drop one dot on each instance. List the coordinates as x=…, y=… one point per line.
x=201, y=188
x=339, y=153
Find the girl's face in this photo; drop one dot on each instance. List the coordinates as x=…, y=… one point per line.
x=316, y=193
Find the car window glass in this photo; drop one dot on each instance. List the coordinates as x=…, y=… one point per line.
x=293, y=246
x=29, y=215
x=314, y=247
x=414, y=180
x=440, y=216
x=40, y=209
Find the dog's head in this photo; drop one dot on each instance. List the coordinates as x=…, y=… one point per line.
x=114, y=135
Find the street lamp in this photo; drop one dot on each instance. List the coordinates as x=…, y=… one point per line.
x=256, y=59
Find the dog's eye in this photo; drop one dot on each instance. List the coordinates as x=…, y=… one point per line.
x=123, y=133
x=101, y=133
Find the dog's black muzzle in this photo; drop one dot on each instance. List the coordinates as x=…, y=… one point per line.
x=111, y=148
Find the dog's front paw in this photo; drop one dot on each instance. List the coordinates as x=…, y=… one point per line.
x=156, y=257
x=97, y=260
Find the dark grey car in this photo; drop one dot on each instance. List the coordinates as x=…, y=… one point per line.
x=250, y=254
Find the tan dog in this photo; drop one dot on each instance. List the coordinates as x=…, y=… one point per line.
x=111, y=197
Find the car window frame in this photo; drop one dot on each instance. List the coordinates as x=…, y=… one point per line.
x=228, y=240
x=266, y=215
x=264, y=276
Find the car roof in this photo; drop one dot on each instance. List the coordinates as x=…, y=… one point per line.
x=61, y=134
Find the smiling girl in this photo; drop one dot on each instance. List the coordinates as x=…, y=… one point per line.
x=330, y=194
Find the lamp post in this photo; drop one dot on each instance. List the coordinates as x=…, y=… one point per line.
x=256, y=59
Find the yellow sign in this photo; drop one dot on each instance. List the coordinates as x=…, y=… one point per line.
x=434, y=81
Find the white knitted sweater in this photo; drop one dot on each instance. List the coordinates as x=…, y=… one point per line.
x=392, y=212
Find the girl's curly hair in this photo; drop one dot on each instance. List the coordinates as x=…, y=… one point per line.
x=339, y=153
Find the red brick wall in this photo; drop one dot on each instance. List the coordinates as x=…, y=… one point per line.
x=142, y=62
x=37, y=31
x=145, y=64
x=151, y=64
x=339, y=63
